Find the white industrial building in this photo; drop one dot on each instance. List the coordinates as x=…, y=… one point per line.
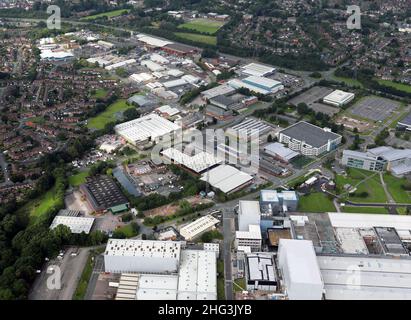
x=278, y=151
x=145, y=256
x=217, y=91
x=151, y=127
x=141, y=77
x=300, y=271
x=250, y=238
x=120, y=64
x=367, y=220
x=198, y=227
x=227, y=178
x=152, y=41
x=257, y=84
x=197, y=163
x=256, y=69
x=152, y=66
x=76, y=224
x=155, y=57
x=261, y=272
x=338, y=98
x=212, y=247
x=365, y=278
x=248, y=213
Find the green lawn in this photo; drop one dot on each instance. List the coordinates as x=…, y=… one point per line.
x=81, y=289
x=100, y=94
x=109, y=115
x=109, y=14
x=364, y=210
x=372, y=186
x=78, y=178
x=128, y=231
x=203, y=25
x=394, y=186
x=239, y=283
x=396, y=85
x=348, y=81
x=211, y=40
x=315, y=202
x=38, y=207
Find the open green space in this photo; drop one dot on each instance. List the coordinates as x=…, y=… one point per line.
x=368, y=190
x=203, y=25
x=109, y=115
x=127, y=230
x=79, y=178
x=100, y=94
x=364, y=210
x=220, y=280
x=301, y=161
x=210, y=40
x=395, y=188
x=315, y=202
x=348, y=81
x=396, y=85
x=40, y=206
x=109, y=14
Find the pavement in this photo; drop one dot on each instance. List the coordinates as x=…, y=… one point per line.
x=71, y=269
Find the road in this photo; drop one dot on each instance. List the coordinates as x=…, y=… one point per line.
x=6, y=173
x=71, y=269
x=98, y=268
x=228, y=227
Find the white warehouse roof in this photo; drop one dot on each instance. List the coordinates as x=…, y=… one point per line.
x=151, y=126
x=76, y=224
x=254, y=233
x=197, y=163
x=121, y=64
x=361, y=220
x=338, y=97
x=226, y=178
x=278, y=149
x=155, y=42
x=256, y=69
x=198, y=226
x=143, y=248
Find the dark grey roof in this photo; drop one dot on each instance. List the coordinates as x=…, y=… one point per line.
x=406, y=121
x=309, y=133
x=181, y=47
x=225, y=101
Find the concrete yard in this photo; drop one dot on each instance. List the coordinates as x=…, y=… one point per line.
x=374, y=108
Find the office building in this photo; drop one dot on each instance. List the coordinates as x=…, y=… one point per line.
x=248, y=213
x=338, y=98
x=260, y=272
x=250, y=238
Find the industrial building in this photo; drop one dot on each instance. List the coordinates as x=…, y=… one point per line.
x=227, y=178
x=217, y=91
x=256, y=69
x=338, y=98
x=145, y=256
x=260, y=271
x=273, y=202
x=248, y=213
x=248, y=128
x=299, y=269
x=260, y=85
x=363, y=160
x=196, y=164
x=396, y=161
x=309, y=139
x=120, y=64
x=148, y=128
x=76, y=224
x=179, y=49
x=279, y=152
x=250, y=238
x=102, y=193
x=198, y=227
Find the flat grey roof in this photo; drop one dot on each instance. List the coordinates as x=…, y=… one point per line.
x=406, y=121
x=309, y=133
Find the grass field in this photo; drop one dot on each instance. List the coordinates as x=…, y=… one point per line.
x=396, y=85
x=39, y=206
x=203, y=25
x=78, y=178
x=211, y=40
x=109, y=115
x=128, y=231
x=364, y=210
x=316, y=202
x=348, y=81
x=81, y=289
x=239, y=285
x=100, y=94
x=394, y=186
x=372, y=186
x=109, y=14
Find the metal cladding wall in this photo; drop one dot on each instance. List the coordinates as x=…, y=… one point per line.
x=122, y=264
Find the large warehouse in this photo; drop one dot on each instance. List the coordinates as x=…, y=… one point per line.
x=257, y=84
x=142, y=256
x=309, y=139
x=256, y=69
x=279, y=152
x=338, y=98
x=151, y=127
x=227, y=178
x=299, y=267
x=76, y=224
x=198, y=227
x=102, y=193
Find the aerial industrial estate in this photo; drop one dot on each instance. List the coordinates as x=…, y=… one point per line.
x=160, y=151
